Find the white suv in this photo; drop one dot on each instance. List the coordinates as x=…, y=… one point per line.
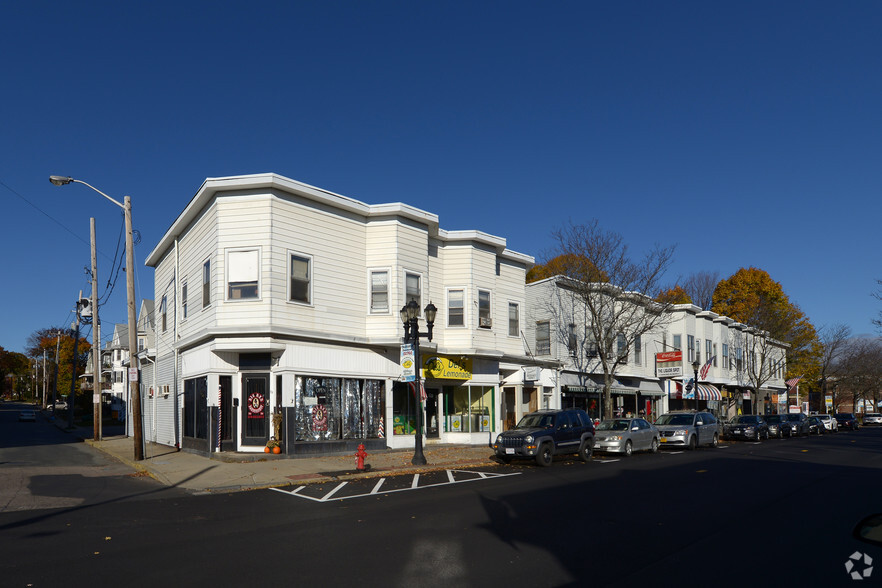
x=829, y=422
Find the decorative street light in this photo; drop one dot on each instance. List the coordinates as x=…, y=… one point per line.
x=695, y=367
x=134, y=384
x=410, y=318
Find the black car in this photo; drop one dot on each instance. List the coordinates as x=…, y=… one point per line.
x=778, y=425
x=543, y=434
x=847, y=420
x=816, y=426
x=746, y=426
x=799, y=424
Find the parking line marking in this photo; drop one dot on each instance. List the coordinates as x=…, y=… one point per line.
x=609, y=461
x=414, y=486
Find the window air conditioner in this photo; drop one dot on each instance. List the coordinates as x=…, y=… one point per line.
x=485, y=322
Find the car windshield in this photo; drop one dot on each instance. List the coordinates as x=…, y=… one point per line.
x=793, y=417
x=674, y=419
x=749, y=419
x=536, y=421
x=773, y=418
x=614, y=425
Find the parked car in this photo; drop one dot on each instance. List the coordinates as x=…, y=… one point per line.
x=746, y=426
x=847, y=420
x=27, y=415
x=778, y=425
x=872, y=419
x=799, y=424
x=543, y=434
x=816, y=426
x=688, y=429
x=626, y=436
x=829, y=422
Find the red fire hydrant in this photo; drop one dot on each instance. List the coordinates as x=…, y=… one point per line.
x=359, y=458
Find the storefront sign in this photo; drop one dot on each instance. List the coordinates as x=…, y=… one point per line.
x=669, y=364
x=255, y=405
x=828, y=401
x=446, y=368
x=408, y=367
x=319, y=418
x=531, y=373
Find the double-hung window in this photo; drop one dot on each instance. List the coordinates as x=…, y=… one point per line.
x=455, y=308
x=379, y=291
x=206, y=283
x=726, y=365
x=622, y=347
x=690, y=346
x=184, y=301
x=543, y=338
x=514, y=324
x=484, y=320
x=638, y=350
x=242, y=274
x=413, y=289
x=300, y=279
x=163, y=313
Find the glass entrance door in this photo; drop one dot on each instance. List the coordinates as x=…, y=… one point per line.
x=432, y=414
x=255, y=409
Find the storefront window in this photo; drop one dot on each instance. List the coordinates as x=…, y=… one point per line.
x=329, y=409
x=403, y=409
x=468, y=409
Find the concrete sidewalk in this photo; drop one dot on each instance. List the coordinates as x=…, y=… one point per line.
x=199, y=475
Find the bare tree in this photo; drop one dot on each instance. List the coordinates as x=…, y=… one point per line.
x=834, y=340
x=860, y=370
x=700, y=287
x=878, y=296
x=611, y=297
x=756, y=358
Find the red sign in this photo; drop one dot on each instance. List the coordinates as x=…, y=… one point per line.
x=319, y=417
x=668, y=356
x=255, y=405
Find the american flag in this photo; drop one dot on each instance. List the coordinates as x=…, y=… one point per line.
x=702, y=375
x=792, y=382
x=422, y=390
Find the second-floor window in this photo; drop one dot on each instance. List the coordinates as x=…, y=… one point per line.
x=163, y=314
x=622, y=347
x=455, y=308
x=543, y=338
x=379, y=291
x=242, y=274
x=678, y=342
x=690, y=346
x=413, y=289
x=140, y=343
x=206, y=283
x=300, y=279
x=484, y=320
x=638, y=350
x=726, y=356
x=184, y=301
x=514, y=325
x=590, y=343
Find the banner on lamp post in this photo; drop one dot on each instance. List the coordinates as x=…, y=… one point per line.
x=408, y=365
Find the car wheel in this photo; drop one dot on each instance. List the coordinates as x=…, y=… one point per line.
x=629, y=448
x=759, y=436
x=654, y=446
x=715, y=441
x=692, y=443
x=585, y=451
x=545, y=455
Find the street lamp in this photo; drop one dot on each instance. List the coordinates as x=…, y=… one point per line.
x=134, y=384
x=410, y=318
x=695, y=367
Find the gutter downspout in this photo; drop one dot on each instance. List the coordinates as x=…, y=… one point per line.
x=177, y=420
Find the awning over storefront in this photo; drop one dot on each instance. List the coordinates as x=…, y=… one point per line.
x=708, y=392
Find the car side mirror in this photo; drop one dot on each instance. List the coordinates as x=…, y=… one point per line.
x=635, y=428
x=699, y=423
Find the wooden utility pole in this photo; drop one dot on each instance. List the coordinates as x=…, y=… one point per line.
x=96, y=344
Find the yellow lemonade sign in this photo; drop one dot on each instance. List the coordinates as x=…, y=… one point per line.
x=447, y=368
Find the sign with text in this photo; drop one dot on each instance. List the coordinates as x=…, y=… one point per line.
x=439, y=367
x=669, y=364
x=408, y=365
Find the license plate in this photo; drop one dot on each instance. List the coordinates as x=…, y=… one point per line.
x=509, y=451
x=664, y=439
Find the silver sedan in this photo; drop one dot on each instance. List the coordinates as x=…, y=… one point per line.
x=625, y=436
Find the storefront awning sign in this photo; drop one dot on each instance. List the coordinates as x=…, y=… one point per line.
x=438, y=367
x=669, y=364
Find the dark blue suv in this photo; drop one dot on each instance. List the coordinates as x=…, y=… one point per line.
x=543, y=434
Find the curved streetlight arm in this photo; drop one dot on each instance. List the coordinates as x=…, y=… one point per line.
x=62, y=180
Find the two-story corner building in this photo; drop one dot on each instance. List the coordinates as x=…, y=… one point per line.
x=277, y=313
x=742, y=359
x=559, y=329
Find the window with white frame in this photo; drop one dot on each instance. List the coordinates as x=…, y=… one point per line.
x=572, y=345
x=300, y=283
x=484, y=320
x=622, y=347
x=413, y=289
x=184, y=301
x=514, y=324
x=455, y=308
x=163, y=314
x=678, y=342
x=726, y=356
x=690, y=346
x=698, y=350
x=714, y=350
x=638, y=350
x=206, y=283
x=590, y=343
x=379, y=291
x=543, y=338
x=242, y=274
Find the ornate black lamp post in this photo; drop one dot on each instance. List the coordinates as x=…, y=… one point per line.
x=410, y=317
x=695, y=368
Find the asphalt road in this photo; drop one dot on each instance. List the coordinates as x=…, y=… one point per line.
x=776, y=513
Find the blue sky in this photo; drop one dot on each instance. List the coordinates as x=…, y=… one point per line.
x=748, y=133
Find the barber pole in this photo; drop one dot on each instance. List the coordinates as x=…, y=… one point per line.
x=380, y=433
x=219, y=409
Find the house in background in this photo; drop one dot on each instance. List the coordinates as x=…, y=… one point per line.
x=277, y=313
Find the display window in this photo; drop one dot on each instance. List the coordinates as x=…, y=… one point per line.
x=329, y=409
x=468, y=409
